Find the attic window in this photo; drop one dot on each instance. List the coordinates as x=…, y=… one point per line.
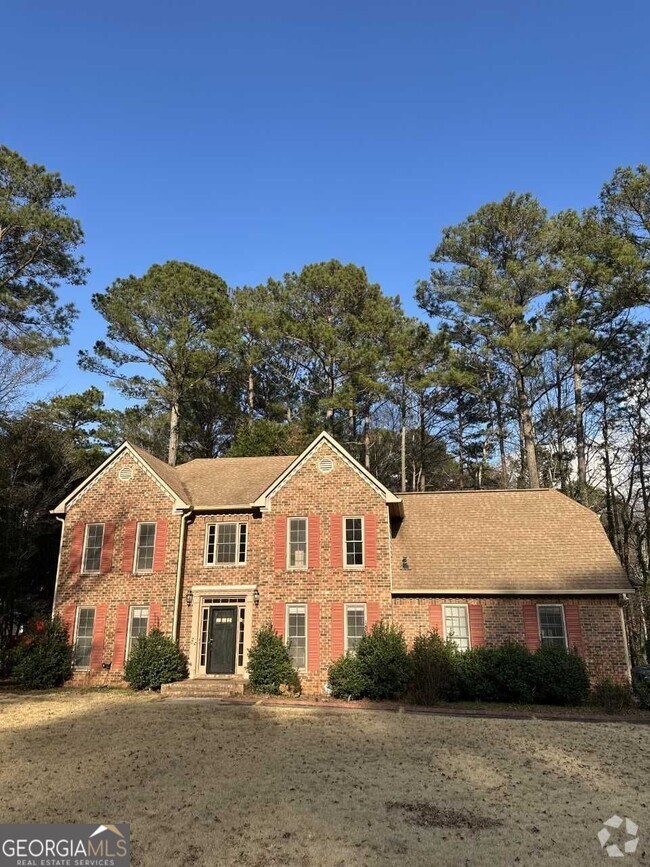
x=325, y=465
x=125, y=474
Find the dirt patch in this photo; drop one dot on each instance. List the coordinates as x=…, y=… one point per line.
x=427, y=815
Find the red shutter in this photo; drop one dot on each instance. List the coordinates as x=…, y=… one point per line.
x=280, y=555
x=314, y=542
x=531, y=626
x=68, y=613
x=370, y=541
x=76, y=546
x=97, y=648
x=476, y=628
x=107, y=547
x=155, y=610
x=373, y=614
x=160, y=547
x=128, y=548
x=573, y=628
x=338, y=630
x=279, y=617
x=119, y=642
x=313, y=636
x=336, y=541
x=435, y=619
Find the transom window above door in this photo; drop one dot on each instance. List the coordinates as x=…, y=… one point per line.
x=353, y=541
x=226, y=543
x=297, y=543
x=145, y=546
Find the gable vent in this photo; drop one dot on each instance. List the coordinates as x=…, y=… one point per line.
x=325, y=465
x=125, y=474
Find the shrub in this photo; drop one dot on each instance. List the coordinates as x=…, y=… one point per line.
x=155, y=659
x=433, y=669
x=384, y=662
x=560, y=676
x=43, y=658
x=269, y=664
x=612, y=697
x=641, y=685
x=503, y=673
x=346, y=679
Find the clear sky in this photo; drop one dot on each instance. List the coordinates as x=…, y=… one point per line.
x=254, y=137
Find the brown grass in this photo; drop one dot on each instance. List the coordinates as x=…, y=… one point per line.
x=203, y=783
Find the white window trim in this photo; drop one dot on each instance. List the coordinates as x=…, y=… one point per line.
x=137, y=571
x=302, y=605
x=129, y=637
x=85, y=571
x=346, y=608
x=76, y=635
x=239, y=525
x=306, y=566
x=444, y=622
x=354, y=566
x=539, y=621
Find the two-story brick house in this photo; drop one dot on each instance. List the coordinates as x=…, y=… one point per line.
x=211, y=549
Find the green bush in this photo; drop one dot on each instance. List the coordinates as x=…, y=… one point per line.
x=43, y=658
x=612, y=697
x=504, y=673
x=269, y=665
x=345, y=677
x=384, y=662
x=155, y=659
x=433, y=669
x=560, y=676
x=641, y=685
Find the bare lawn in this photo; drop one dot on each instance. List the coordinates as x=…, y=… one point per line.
x=208, y=784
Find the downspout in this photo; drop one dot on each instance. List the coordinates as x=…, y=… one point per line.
x=625, y=644
x=179, y=574
x=58, y=563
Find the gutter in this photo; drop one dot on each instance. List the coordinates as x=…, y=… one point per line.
x=455, y=591
x=179, y=574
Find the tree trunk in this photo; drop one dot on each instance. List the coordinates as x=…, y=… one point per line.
x=174, y=418
x=366, y=438
x=527, y=428
x=422, y=480
x=403, y=435
x=580, y=432
x=610, y=499
x=460, y=443
x=561, y=464
x=502, y=443
x=251, y=392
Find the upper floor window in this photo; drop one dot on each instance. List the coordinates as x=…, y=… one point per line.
x=297, y=634
x=226, y=543
x=138, y=625
x=297, y=543
x=551, y=625
x=355, y=626
x=353, y=541
x=83, y=642
x=456, y=621
x=144, y=549
x=93, y=547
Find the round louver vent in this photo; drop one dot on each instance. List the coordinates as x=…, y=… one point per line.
x=326, y=465
x=125, y=474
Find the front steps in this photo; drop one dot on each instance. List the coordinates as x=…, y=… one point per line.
x=204, y=687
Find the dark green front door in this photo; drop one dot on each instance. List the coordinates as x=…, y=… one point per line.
x=222, y=641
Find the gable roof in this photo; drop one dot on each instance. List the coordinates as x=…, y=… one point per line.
x=229, y=481
x=492, y=542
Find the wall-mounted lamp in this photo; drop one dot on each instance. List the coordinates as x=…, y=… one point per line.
x=256, y=597
x=189, y=597
x=405, y=563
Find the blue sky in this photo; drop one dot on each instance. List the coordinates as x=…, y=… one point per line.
x=252, y=138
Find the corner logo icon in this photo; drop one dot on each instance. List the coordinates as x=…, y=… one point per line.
x=613, y=849
x=112, y=828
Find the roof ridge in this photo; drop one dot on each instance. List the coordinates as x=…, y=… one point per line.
x=481, y=491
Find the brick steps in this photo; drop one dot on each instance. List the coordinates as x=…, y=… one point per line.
x=204, y=688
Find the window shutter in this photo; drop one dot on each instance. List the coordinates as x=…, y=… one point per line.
x=435, y=619
x=279, y=617
x=280, y=558
x=155, y=610
x=373, y=614
x=338, y=629
x=128, y=548
x=68, y=613
x=106, y=563
x=476, y=627
x=336, y=541
x=313, y=560
x=76, y=546
x=313, y=636
x=119, y=643
x=531, y=626
x=97, y=648
x=160, y=547
x=573, y=627
x=370, y=540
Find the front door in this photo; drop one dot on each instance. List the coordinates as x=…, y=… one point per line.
x=222, y=641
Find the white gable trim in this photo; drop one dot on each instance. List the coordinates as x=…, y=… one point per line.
x=95, y=475
x=262, y=502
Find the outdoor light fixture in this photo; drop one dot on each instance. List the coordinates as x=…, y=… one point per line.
x=405, y=563
x=256, y=597
x=189, y=597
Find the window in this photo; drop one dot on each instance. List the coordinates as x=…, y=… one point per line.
x=297, y=634
x=225, y=543
x=145, y=547
x=297, y=540
x=354, y=541
x=93, y=547
x=84, y=638
x=355, y=626
x=551, y=625
x=138, y=625
x=457, y=625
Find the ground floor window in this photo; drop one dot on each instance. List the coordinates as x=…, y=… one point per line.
x=551, y=625
x=456, y=621
x=84, y=637
x=355, y=626
x=138, y=625
x=297, y=634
